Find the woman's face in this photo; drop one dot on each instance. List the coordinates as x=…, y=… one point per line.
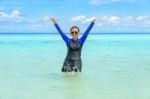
x=74, y=33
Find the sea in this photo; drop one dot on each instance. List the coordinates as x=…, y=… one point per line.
x=114, y=66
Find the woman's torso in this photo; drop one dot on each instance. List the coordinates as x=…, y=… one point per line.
x=74, y=50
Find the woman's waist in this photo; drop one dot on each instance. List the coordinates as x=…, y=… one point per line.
x=69, y=57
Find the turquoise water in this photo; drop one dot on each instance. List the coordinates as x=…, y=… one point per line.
x=115, y=66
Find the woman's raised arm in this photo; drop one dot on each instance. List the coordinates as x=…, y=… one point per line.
x=83, y=38
x=65, y=38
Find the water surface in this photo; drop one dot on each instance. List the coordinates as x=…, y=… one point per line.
x=115, y=66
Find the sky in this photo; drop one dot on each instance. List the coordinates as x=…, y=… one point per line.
x=113, y=16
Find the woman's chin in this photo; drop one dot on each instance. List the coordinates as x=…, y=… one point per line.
x=74, y=38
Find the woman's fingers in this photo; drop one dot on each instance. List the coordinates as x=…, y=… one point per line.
x=53, y=20
x=94, y=19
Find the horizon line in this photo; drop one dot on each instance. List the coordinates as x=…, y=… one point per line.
x=80, y=33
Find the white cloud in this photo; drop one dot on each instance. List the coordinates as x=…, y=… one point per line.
x=78, y=18
x=103, y=23
x=128, y=18
x=46, y=18
x=140, y=18
x=113, y=19
x=81, y=18
x=3, y=14
x=143, y=20
x=100, y=24
x=13, y=14
x=14, y=21
x=98, y=2
x=42, y=23
x=109, y=20
x=123, y=23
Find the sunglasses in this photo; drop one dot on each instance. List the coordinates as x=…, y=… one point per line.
x=74, y=32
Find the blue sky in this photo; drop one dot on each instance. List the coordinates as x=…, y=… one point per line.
x=23, y=16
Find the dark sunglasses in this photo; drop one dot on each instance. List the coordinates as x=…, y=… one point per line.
x=74, y=32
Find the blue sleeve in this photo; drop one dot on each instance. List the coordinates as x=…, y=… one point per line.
x=65, y=38
x=83, y=38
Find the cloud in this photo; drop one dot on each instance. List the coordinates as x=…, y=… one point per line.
x=12, y=21
x=140, y=18
x=143, y=20
x=81, y=18
x=123, y=23
x=46, y=18
x=99, y=2
x=15, y=21
x=13, y=14
x=3, y=14
x=114, y=19
x=109, y=20
x=118, y=23
x=41, y=23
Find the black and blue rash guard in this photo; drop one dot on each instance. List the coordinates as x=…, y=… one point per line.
x=73, y=61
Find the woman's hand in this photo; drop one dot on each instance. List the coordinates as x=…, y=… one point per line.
x=53, y=20
x=94, y=19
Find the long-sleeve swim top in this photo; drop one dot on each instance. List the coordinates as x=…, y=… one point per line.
x=81, y=40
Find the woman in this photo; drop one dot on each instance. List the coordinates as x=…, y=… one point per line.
x=73, y=61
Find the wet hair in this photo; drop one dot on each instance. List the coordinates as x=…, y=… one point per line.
x=74, y=27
